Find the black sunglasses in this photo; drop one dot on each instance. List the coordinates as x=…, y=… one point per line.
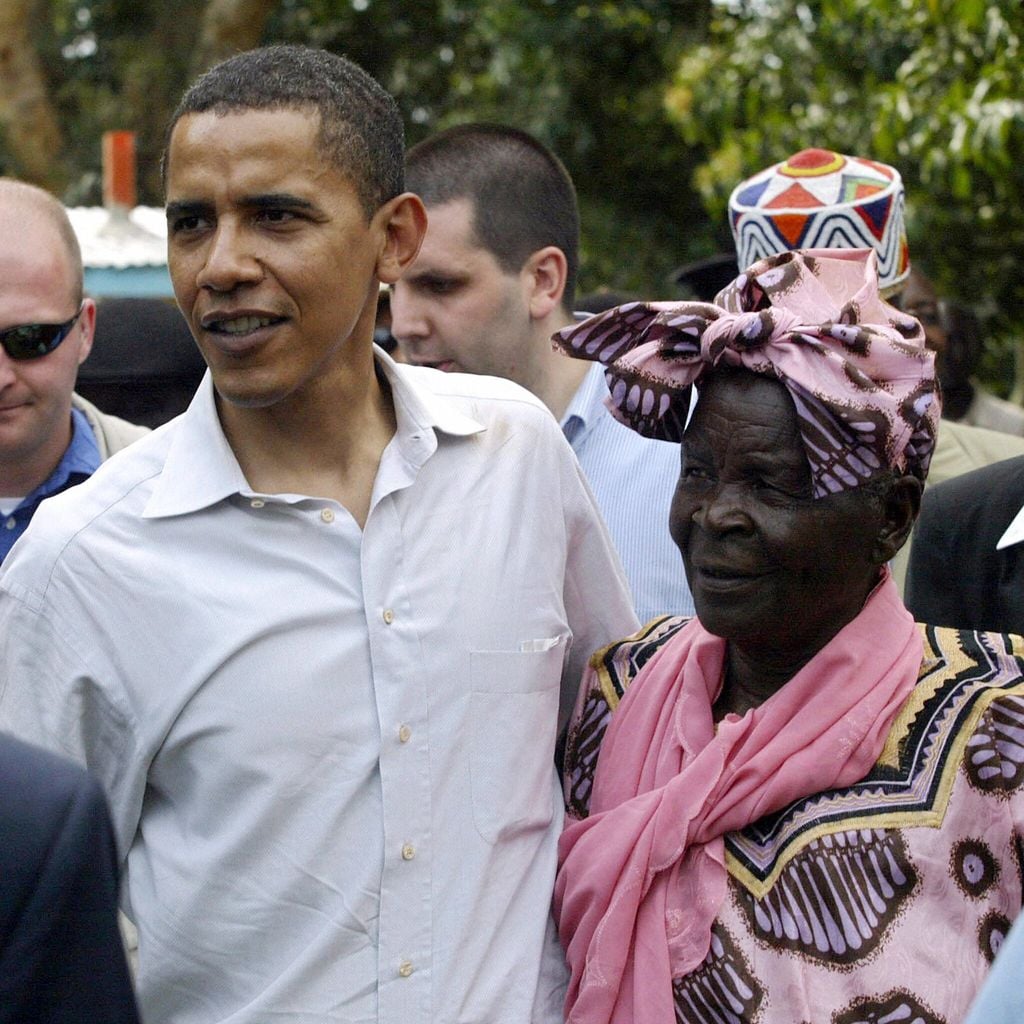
x=30, y=341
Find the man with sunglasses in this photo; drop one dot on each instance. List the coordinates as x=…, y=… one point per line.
x=50, y=439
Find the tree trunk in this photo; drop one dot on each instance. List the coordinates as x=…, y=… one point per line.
x=32, y=129
x=229, y=27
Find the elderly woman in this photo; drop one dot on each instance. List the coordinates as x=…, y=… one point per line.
x=798, y=806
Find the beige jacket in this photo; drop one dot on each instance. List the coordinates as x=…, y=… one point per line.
x=961, y=448
x=112, y=434
x=993, y=413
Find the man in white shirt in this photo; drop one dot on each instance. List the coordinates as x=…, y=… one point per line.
x=494, y=279
x=316, y=637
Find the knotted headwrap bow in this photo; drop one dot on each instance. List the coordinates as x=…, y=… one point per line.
x=861, y=379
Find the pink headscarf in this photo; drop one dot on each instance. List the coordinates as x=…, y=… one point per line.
x=857, y=368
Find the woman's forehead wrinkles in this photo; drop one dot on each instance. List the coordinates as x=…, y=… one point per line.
x=752, y=407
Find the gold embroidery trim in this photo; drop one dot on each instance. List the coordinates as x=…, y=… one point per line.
x=930, y=817
x=928, y=683
x=599, y=664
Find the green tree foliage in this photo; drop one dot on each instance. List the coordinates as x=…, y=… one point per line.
x=586, y=77
x=111, y=64
x=931, y=86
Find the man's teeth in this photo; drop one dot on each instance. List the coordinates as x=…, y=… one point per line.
x=243, y=324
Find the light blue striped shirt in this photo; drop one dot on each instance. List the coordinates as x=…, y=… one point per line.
x=633, y=479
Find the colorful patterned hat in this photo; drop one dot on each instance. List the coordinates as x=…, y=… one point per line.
x=818, y=199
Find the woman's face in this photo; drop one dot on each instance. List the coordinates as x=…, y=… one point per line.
x=766, y=563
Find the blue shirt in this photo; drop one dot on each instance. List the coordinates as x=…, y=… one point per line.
x=80, y=460
x=633, y=479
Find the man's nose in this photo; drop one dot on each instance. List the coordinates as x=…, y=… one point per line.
x=408, y=323
x=231, y=260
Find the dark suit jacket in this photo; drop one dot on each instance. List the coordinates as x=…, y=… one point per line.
x=956, y=577
x=61, y=957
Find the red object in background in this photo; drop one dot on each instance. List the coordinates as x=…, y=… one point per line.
x=119, y=169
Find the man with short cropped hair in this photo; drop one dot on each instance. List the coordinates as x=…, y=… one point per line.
x=316, y=636
x=494, y=279
x=50, y=439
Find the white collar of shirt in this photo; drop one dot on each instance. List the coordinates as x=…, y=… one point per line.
x=201, y=468
x=1014, y=532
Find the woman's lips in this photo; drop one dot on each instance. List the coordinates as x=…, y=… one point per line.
x=720, y=577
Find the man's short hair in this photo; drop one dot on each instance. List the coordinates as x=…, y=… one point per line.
x=523, y=198
x=48, y=206
x=360, y=133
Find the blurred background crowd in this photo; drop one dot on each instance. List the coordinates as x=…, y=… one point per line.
x=657, y=108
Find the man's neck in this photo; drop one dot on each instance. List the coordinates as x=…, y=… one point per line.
x=556, y=377
x=324, y=443
x=20, y=477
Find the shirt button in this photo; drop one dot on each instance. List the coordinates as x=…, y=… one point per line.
x=388, y=616
x=10, y=524
x=257, y=503
x=405, y=969
x=327, y=515
x=404, y=734
x=408, y=851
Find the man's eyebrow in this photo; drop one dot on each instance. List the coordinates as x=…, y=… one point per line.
x=279, y=200
x=430, y=275
x=267, y=201
x=187, y=208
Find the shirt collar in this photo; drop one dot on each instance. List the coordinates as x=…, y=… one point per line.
x=201, y=469
x=587, y=404
x=81, y=458
x=1014, y=532
x=419, y=407
x=83, y=454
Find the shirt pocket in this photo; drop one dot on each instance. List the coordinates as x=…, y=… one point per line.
x=513, y=718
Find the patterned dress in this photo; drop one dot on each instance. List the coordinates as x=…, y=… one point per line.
x=879, y=903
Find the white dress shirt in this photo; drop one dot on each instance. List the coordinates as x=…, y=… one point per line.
x=633, y=479
x=328, y=752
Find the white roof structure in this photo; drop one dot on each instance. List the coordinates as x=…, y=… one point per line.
x=124, y=252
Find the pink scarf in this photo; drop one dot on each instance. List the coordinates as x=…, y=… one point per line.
x=642, y=879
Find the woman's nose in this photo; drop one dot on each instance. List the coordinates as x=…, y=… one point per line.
x=724, y=509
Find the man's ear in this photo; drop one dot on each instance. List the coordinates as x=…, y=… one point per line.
x=87, y=325
x=902, y=503
x=403, y=221
x=544, y=275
